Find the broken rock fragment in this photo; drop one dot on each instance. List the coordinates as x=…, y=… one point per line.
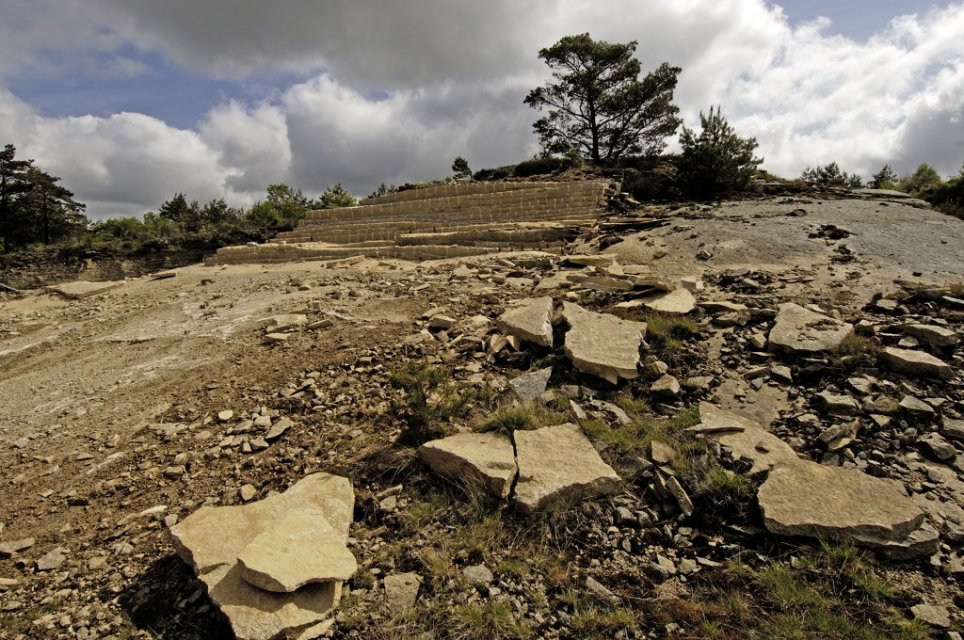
x=799, y=330
x=529, y=320
x=558, y=465
x=212, y=539
x=485, y=459
x=299, y=549
x=676, y=302
x=532, y=384
x=916, y=363
x=601, y=344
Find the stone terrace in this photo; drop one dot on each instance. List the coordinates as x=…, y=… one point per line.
x=438, y=221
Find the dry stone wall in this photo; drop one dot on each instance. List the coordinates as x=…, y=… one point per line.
x=438, y=221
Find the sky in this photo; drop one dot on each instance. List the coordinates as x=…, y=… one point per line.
x=131, y=102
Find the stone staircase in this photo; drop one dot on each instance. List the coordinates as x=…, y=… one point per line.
x=439, y=221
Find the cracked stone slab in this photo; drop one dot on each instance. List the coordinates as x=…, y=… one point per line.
x=486, y=459
x=301, y=548
x=558, y=466
x=800, y=330
x=601, y=344
x=529, y=320
x=212, y=539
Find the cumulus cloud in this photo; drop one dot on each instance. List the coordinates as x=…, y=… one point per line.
x=393, y=91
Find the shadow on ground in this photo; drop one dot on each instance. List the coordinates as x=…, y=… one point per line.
x=171, y=602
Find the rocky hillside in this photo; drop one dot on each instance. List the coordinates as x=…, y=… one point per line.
x=746, y=422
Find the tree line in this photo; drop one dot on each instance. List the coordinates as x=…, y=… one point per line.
x=36, y=209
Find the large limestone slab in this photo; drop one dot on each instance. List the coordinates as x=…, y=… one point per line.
x=676, y=302
x=800, y=330
x=529, y=320
x=474, y=459
x=916, y=363
x=809, y=499
x=601, y=344
x=83, y=289
x=301, y=548
x=745, y=438
x=212, y=539
x=558, y=465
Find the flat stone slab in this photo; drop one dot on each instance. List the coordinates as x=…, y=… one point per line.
x=83, y=289
x=286, y=321
x=745, y=438
x=916, y=363
x=212, y=539
x=529, y=320
x=934, y=335
x=800, y=330
x=474, y=459
x=676, y=302
x=301, y=548
x=809, y=499
x=601, y=344
x=557, y=466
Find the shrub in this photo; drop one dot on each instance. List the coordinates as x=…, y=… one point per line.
x=542, y=166
x=716, y=161
x=831, y=175
x=427, y=400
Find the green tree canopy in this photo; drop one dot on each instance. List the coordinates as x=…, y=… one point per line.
x=34, y=207
x=924, y=179
x=460, y=166
x=884, y=179
x=717, y=160
x=596, y=104
x=830, y=175
x=335, y=196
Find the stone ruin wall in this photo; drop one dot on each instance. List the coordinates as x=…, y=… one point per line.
x=438, y=221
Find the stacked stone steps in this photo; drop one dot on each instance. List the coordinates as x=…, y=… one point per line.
x=438, y=221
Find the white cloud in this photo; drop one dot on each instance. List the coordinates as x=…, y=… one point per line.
x=395, y=90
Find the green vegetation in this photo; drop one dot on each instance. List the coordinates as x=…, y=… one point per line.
x=427, y=400
x=717, y=161
x=33, y=206
x=521, y=416
x=833, y=593
x=461, y=169
x=830, y=175
x=884, y=179
x=597, y=107
x=919, y=184
x=856, y=351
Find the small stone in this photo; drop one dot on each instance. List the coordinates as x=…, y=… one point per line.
x=52, y=559
x=276, y=338
x=596, y=588
x=225, y=415
x=953, y=429
x=914, y=405
x=781, y=373
x=531, y=385
x=938, y=447
x=401, y=590
x=679, y=493
x=8, y=583
x=933, y=335
x=837, y=404
x=278, y=429
x=529, y=320
x=174, y=472
x=916, y=363
x=661, y=453
x=933, y=615
x=247, y=493
x=441, y=323
x=473, y=459
x=478, y=575
x=10, y=547
x=799, y=330
x=666, y=387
